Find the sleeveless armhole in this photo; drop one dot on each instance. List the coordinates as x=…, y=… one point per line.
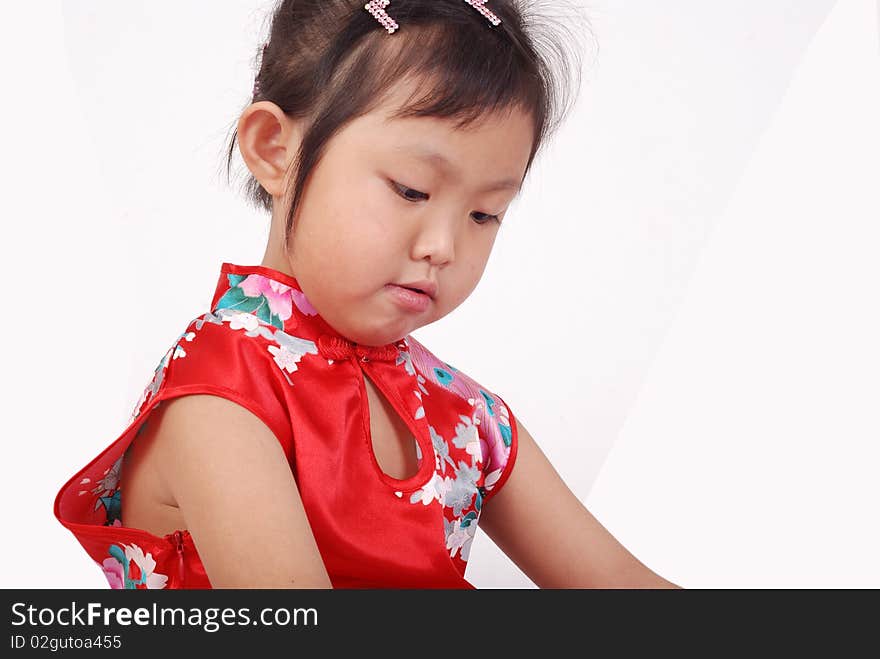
x=508, y=460
x=208, y=358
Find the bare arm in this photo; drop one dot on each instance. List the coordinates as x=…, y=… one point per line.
x=235, y=489
x=544, y=528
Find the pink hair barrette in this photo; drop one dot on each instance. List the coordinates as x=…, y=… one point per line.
x=479, y=5
x=377, y=9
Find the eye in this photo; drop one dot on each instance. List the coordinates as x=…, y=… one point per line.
x=486, y=218
x=411, y=194
x=402, y=190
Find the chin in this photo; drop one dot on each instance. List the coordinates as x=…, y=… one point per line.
x=379, y=337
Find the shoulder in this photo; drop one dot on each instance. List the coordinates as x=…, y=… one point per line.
x=495, y=421
x=233, y=355
x=217, y=338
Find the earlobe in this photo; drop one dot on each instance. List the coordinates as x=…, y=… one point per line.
x=267, y=140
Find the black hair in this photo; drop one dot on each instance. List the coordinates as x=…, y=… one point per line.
x=330, y=61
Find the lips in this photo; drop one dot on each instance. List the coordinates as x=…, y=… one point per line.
x=409, y=299
x=424, y=286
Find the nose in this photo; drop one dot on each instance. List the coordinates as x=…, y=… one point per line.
x=435, y=239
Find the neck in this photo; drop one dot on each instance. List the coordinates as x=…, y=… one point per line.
x=275, y=256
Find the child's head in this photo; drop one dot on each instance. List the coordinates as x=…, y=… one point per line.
x=336, y=142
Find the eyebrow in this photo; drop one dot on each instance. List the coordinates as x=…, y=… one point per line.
x=437, y=159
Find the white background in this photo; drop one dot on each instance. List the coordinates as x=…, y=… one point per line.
x=682, y=308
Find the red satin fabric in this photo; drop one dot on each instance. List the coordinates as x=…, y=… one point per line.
x=306, y=382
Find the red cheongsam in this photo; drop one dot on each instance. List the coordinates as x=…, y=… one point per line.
x=265, y=347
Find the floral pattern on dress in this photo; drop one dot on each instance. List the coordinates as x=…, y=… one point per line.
x=287, y=350
x=107, y=494
x=455, y=486
x=257, y=304
x=269, y=300
x=460, y=487
x=272, y=303
x=491, y=415
x=128, y=567
x=176, y=351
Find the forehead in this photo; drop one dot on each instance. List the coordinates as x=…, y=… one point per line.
x=496, y=145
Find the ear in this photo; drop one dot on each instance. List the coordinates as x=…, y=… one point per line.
x=268, y=141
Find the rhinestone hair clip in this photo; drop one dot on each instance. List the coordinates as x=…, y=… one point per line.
x=377, y=9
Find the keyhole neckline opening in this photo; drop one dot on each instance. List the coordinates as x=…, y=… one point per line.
x=418, y=428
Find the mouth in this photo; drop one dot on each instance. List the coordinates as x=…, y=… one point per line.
x=413, y=289
x=411, y=298
x=423, y=287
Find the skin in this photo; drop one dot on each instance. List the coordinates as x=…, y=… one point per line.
x=355, y=218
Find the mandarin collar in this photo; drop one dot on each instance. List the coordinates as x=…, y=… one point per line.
x=276, y=299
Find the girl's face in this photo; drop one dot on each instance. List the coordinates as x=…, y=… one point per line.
x=379, y=211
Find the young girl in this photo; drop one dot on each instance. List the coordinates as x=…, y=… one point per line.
x=296, y=435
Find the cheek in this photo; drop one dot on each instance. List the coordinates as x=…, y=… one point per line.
x=354, y=243
x=461, y=282
x=379, y=215
x=366, y=214
x=472, y=264
x=478, y=252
